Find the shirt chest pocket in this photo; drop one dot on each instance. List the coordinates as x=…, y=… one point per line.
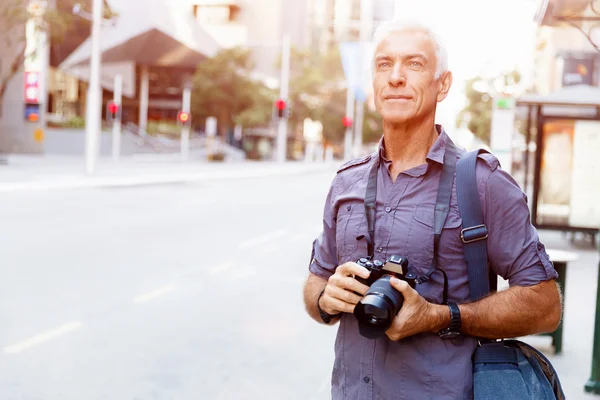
x=420, y=237
x=350, y=221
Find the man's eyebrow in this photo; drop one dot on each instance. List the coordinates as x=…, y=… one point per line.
x=422, y=56
x=382, y=57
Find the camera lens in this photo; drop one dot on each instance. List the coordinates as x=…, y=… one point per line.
x=376, y=311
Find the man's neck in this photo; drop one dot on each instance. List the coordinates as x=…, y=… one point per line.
x=407, y=146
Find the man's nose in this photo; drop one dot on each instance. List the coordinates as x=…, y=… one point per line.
x=397, y=77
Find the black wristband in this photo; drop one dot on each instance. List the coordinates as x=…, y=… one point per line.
x=325, y=317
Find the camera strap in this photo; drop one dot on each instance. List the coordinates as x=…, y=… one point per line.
x=370, y=203
x=442, y=207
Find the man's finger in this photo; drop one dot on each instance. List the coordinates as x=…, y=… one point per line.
x=342, y=294
x=348, y=283
x=351, y=268
x=337, y=305
x=401, y=286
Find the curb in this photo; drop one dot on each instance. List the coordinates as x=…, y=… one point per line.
x=67, y=183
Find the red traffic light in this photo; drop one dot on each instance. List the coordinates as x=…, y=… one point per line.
x=347, y=122
x=280, y=104
x=183, y=117
x=113, y=107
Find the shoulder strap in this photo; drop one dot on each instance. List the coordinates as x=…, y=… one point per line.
x=474, y=232
x=442, y=208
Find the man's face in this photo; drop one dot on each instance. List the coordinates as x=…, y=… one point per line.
x=404, y=81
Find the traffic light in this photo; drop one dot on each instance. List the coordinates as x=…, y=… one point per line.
x=184, y=118
x=347, y=122
x=280, y=106
x=113, y=111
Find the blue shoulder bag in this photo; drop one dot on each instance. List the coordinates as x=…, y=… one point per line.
x=503, y=369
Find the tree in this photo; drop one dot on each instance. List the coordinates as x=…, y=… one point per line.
x=477, y=115
x=13, y=17
x=223, y=88
x=317, y=91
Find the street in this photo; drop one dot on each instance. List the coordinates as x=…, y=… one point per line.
x=183, y=285
x=177, y=291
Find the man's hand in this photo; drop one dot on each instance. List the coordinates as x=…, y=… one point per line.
x=342, y=290
x=416, y=315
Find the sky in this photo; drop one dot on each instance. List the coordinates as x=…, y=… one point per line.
x=481, y=36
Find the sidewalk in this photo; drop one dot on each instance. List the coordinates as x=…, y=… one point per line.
x=30, y=173
x=574, y=365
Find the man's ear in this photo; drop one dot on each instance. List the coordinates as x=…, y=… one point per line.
x=444, y=84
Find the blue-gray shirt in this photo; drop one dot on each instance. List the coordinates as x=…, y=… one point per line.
x=422, y=366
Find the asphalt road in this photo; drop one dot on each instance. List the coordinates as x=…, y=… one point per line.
x=162, y=292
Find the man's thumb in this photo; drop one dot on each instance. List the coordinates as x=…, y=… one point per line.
x=399, y=284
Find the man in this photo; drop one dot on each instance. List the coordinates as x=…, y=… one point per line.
x=413, y=360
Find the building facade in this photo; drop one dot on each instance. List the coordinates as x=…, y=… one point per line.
x=567, y=52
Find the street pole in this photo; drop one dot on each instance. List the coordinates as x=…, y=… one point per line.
x=283, y=94
x=366, y=26
x=358, y=128
x=349, y=114
x=593, y=384
x=94, y=95
x=185, y=130
x=116, y=132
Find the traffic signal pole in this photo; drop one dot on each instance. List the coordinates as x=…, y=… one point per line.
x=366, y=26
x=350, y=115
x=283, y=94
x=185, y=128
x=94, y=94
x=116, y=131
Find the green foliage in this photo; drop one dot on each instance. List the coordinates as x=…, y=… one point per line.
x=477, y=115
x=223, y=88
x=165, y=128
x=372, y=126
x=317, y=91
x=75, y=123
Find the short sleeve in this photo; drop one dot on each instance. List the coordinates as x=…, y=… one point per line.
x=514, y=248
x=324, y=253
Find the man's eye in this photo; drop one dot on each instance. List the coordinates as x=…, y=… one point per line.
x=416, y=64
x=384, y=64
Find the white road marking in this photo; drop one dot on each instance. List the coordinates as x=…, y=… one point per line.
x=288, y=280
x=217, y=269
x=42, y=337
x=322, y=389
x=300, y=238
x=154, y=294
x=197, y=203
x=243, y=272
x=246, y=244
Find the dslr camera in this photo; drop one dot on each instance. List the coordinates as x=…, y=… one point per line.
x=377, y=309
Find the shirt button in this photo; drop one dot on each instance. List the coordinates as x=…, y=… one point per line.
x=388, y=209
x=367, y=379
x=380, y=249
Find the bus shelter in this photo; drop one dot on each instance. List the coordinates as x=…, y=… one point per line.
x=565, y=126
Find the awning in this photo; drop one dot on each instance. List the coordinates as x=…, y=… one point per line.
x=573, y=101
x=153, y=33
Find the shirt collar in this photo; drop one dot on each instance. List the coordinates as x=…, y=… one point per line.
x=436, y=152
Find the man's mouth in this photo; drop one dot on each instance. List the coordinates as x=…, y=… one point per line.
x=397, y=97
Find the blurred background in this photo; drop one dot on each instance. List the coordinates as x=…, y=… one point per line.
x=164, y=165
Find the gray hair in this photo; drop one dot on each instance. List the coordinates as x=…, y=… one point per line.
x=388, y=27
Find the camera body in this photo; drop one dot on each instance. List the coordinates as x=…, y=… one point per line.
x=395, y=266
x=377, y=309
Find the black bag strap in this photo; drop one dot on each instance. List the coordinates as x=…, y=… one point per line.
x=442, y=208
x=370, y=203
x=474, y=233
